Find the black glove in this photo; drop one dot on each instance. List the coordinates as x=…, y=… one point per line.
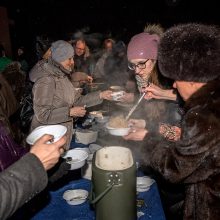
x=59, y=170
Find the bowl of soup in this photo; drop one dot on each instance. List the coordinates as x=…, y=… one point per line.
x=117, y=126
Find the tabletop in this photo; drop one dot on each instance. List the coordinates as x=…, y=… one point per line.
x=150, y=207
x=58, y=209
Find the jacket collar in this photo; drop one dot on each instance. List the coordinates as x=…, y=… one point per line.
x=58, y=69
x=207, y=93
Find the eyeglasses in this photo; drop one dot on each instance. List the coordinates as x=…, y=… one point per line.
x=82, y=49
x=140, y=65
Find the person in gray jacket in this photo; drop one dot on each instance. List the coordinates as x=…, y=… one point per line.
x=24, y=179
x=55, y=99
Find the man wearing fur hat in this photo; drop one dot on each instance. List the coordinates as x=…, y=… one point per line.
x=189, y=54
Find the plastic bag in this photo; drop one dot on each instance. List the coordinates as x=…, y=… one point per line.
x=27, y=111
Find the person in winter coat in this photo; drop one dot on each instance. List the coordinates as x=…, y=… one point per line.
x=4, y=59
x=55, y=99
x=142, y=57
x=189, y=54
x=82, y=57
x=24, y=179
x=21, y=57
x=116, y=66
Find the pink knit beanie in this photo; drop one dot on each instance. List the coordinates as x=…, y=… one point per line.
x=143, y=46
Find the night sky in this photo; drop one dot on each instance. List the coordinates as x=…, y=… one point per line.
x=60, y=18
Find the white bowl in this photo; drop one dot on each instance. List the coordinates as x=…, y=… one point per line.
x=117, y=131
x=116, y=96
x=56, y=130
x=75, y=196
x=86, y=149
x=78, y=158
x=144, y=183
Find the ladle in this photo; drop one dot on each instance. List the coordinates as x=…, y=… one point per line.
x=135, y=106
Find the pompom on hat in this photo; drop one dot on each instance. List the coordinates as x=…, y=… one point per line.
x=143, y=46
x=61, y=50
x=190, y=52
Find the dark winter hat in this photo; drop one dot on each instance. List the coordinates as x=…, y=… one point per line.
x=190, y=52
x=143, y=46
x=61, y=50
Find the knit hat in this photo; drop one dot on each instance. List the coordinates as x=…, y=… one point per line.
x=190, y=52
x=61, y=50
x=143, y=46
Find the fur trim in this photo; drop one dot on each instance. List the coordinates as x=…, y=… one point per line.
x=154, y=29
x=190, y=52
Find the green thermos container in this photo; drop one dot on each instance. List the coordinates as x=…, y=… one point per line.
x=114, y=184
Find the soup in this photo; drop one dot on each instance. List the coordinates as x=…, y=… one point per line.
x=118, y=122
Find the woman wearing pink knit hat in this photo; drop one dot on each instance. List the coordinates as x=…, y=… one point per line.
x=142, y=58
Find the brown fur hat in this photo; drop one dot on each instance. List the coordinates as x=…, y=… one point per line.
x=190, y=52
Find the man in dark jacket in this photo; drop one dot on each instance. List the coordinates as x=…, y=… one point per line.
x=82, y=59
x=189, y=54
x=24, y=179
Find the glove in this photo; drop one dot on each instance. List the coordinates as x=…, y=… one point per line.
x=59, y=170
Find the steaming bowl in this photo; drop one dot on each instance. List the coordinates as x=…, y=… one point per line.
x=117, y=131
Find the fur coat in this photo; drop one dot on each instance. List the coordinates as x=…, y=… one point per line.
x=194, y=160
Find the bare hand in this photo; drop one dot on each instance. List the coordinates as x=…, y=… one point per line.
x=136, y=134
x=48, y=154
x=89, y=79
x=78, y=111
x=137, y=123
x=106, y=95
x=155, y=92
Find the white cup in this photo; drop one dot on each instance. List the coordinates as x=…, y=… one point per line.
x=117, y=95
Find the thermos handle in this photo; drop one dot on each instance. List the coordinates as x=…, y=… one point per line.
x=102, y=194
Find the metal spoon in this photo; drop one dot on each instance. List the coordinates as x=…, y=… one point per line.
x=135, y=106
x=78, y=198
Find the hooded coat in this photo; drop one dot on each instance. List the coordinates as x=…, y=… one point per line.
x=54, y=95
x=194, y=160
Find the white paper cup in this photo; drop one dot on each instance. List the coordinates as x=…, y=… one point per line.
x=117, y=95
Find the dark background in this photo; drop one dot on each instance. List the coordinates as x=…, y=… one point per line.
x=59, y=19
